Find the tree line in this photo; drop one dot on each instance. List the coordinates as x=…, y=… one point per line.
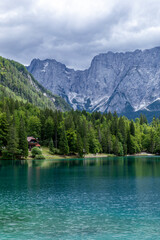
x=73, y=132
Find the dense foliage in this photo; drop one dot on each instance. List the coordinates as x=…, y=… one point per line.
x=18, y=83
x=73, y=132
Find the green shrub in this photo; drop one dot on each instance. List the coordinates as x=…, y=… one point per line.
x=56, y=151
x=6, y=155
x=36, y=151
x=39, y=157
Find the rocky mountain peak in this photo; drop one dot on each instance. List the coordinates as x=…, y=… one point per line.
x=114, y=81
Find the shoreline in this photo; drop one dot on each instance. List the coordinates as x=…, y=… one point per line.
x=90, y=155
x=60, y=157
x=48, y=156
x=142, y=154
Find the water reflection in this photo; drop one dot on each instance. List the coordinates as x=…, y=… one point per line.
x=114, y=166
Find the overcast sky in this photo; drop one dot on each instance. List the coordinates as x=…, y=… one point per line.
x=74, y=31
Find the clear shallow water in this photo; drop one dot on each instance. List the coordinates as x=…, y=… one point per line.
x=107, y=198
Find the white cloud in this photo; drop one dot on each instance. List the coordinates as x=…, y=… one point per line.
x=73, y=31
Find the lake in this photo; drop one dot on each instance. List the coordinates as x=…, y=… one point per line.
x=100, y=198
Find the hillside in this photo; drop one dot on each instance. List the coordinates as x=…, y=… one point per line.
x=18, y=83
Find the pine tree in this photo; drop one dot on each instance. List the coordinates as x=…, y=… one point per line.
x=72, y=140
x=85, y=144
x=109, y=142
x=132, y=128
x=79, y=145
x=130, y=144
x=63, y=143
x=122, y=129
x=23, y=144
x=152, y=142
x=34, y=126
x=143, y=119
x=94, y=145
x=11, y=151
x=49, y=128
x=51, y=146
x=114, y=124
x=3, y=128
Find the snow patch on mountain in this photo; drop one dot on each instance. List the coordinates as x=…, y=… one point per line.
x=45, y=66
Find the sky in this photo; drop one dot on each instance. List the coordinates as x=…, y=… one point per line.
x=74, y=31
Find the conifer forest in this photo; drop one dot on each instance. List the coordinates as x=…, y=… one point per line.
x=73, y=132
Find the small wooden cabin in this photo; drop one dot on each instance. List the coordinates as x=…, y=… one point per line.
x=32, y=142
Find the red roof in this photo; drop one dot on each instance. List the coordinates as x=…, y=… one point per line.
x=37, y=145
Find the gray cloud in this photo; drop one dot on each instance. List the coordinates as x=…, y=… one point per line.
x=33, y=29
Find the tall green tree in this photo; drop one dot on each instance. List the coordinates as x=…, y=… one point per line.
x=63, y=142
x=94, y=145
x=107, y=143
x=132, y=128
x=118, y=148
x=4, y=127
x=11, y=151
x=130, y=144
x=34, y=126
x=23, y=144
x=80, y=146
x=72, y=140
x=49, y=128
x=51, y=146
x=122, y=129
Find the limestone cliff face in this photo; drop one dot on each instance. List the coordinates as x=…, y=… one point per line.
x=115, y=81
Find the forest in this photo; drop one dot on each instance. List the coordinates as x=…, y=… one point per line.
x=73, y=132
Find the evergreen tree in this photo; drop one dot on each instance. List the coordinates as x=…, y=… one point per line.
x=104, y=143
x=51, y=146
x=63, y=143
x=79, y=146
x=94, y=145
x=72, y=140
x=132, y=128
x=143, y=119
x=23, y=144
x=34, y=127
x=4, y=125
x=49, y=128
x=85, y=145
x=152, y=143
x=109, y=142
x=118, y=148
x=114, y=124
x=109, y=116
x=11, y=151
x=130, y=144
x=122, y=129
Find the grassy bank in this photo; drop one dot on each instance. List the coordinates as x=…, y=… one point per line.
x=47, y=155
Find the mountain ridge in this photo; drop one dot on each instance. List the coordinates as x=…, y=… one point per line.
x=119, y=82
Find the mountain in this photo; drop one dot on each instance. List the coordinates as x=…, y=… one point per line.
x=124, y=82
x=18, y=83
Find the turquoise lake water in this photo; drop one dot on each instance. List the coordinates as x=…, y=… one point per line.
x=103, y=198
